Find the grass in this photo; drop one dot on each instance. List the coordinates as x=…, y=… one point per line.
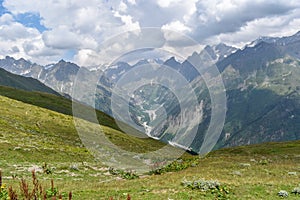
x=24, y=83
x=32, y=137
x=64, y=106
x=51, y=102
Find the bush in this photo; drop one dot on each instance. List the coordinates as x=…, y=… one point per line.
x=46, y=169
x=215, y=187
x=3, y=192
x=129, y=175
x=175, y=166
x=202, y=185
x=37, y=191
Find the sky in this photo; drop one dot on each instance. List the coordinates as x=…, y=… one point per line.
x=45, y=31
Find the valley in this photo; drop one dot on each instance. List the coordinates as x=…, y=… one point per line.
x=100, y=137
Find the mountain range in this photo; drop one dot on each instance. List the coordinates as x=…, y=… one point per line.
x=261, y=80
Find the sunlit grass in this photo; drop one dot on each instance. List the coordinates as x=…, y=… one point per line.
x=42, y=136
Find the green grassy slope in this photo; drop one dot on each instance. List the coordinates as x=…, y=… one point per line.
x=31, y=136
x=51, y=102
x=248, y=172
x=34, y=118
x=24, y=83
x=59, y=104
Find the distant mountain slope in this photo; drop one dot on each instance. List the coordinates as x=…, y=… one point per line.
x=220, y=51
x=263, y=90
x=24, y=83
x=60, y=77
x=251, y=58
x=263, y=95
x=263, y=102
x=261, y=81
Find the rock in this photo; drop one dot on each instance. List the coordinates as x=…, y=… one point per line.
x=292, y=173
x=17, y=148
x=36, y=169
x=237, y=173
x=283, y=193
x=245, y=164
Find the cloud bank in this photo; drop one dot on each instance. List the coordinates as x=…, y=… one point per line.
x=74, y=29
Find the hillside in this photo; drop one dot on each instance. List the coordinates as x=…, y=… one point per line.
x=24, y=83
x=247, y=172
x=47, y=137
x=51, y=102
x=63, y=106
x=32, y=137
x=34, y=134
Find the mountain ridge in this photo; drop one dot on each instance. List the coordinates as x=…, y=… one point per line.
x=25, y=83
x=263, y=73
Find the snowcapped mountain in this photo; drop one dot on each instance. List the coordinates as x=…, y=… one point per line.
x=58, y=76
x=288, y=40
x=261, y=80
x=220, y=51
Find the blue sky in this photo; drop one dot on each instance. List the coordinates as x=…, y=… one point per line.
x=30, y=20
x=50, y=30
x=27, y=19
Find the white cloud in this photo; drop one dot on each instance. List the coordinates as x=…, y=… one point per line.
x=176, y=26
x=23, y=42
x=167, y=3
x=6, y=19
x=274, y=26
x=216, y=18
x=132, y=2
x=14, y=31
x=83, y=26
x=122, y=7
x=61, y=38
x=129, y=24
x=72, y=25
x=87, y=57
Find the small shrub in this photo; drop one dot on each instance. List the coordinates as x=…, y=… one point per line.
x=202, y=184
x=36, y=193
x=53, y=191
x=177, y=165
x=46, y=169
x=129, y=175
x=215, y=187
x=283, y=193
x=3, y=192
x=264, y=162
